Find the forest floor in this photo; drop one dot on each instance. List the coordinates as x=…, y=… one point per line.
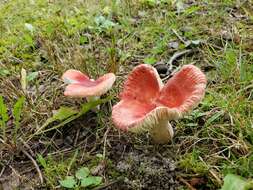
x=41, y=39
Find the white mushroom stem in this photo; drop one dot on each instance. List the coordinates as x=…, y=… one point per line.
x=93, y=98
x=162, y=133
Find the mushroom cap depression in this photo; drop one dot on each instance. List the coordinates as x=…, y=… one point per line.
x=80, y=85
x=146, y=102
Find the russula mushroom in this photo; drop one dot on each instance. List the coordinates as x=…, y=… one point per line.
x=148, y=105
x=80, y=85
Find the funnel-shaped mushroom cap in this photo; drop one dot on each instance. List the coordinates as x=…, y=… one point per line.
x=80, y=85
x=147, y=105
x=184, y=90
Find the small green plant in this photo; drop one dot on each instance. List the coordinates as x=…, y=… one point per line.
x=17, y=110
x=191, y=163
x=67, y=114
x=52, y=169
x=4, y=117
x=56, y=169
x=235, y=182
x=82, y=178
x=104, y=24
x=150, y=60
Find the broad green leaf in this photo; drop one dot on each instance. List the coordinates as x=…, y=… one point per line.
x=91, y=181
x=68, y=182
x=31, y=76
x=4, y=72
x=235, y=182
x=82, y=173
x=103, y=22
x=28, y=39
x=3, y=111
x=17, y=110
x=150, y=60
x=42, y=161
x=83, y=40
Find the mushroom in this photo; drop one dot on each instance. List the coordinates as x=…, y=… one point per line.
x=80, y=85
x=148, y=105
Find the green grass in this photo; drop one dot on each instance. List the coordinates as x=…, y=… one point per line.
x=45, y=38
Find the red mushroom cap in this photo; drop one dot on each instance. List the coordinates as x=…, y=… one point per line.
x=80, y=85
x=145, y=102
x=184, y=90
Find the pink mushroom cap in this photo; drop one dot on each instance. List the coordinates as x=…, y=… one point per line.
x=80, y=85
x=146, y=102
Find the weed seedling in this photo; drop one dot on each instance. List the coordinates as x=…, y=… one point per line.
x=82, y=178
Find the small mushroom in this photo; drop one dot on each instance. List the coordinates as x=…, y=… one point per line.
x=148, y=105
x=80, y=85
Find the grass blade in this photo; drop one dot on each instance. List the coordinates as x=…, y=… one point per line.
x=65, y=119
x=4, y=117
x=17, y=115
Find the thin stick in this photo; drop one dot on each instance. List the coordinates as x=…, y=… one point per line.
x=3, y=169
x=179, y=37
x=186, y=183
x=15, y=172
x=239, y=62
x=72, y=161
x=105, y=139
x=177, y=55
x=172, y=59
x=35, y=164
x=77, y=136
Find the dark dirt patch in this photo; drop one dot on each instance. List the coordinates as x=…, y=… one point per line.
x=143, y=169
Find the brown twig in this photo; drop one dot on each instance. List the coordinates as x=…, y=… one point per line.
x=77, y=136
x=35, y=164
x=179, y=37
x=186, y=183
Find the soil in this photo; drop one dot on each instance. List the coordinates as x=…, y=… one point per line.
x=143, y=167
x=145, y=171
